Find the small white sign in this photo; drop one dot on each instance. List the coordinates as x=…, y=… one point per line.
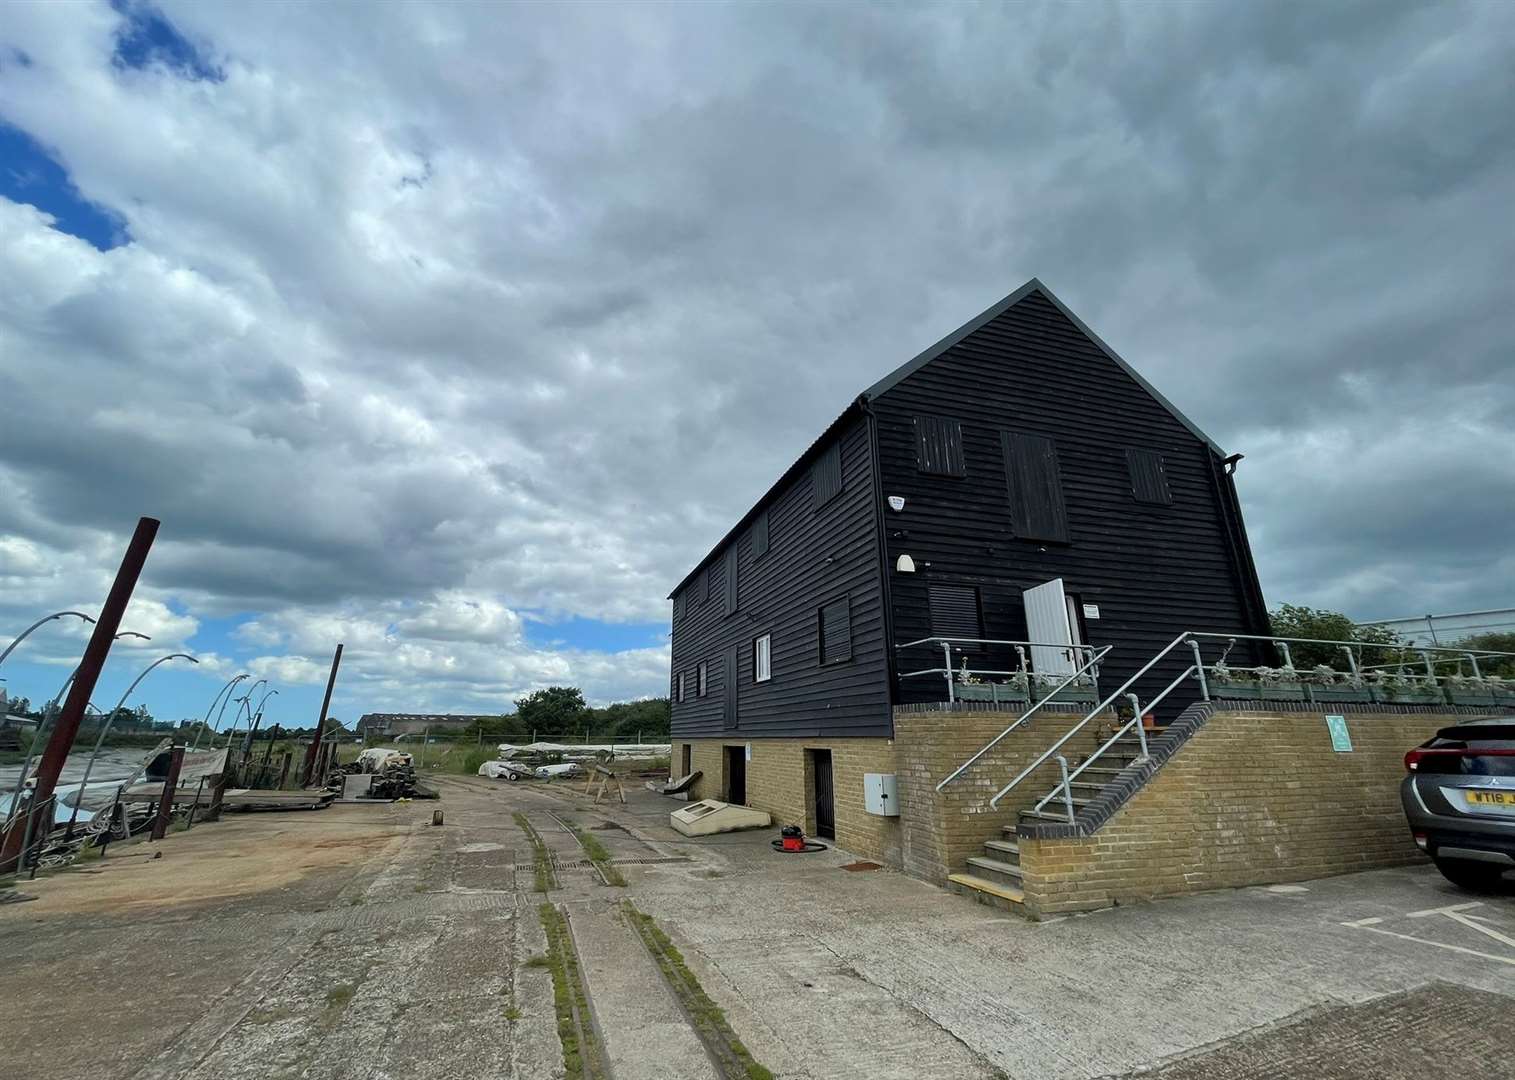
x=1091, y=611
x=896, y=503
x=749, y=751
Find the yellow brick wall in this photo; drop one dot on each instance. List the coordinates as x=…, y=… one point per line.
x=780, y=780
x=940, y=830
x=1252, y=798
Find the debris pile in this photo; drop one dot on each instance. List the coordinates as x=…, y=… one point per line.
x=393, y=772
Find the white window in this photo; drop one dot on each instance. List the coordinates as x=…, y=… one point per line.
x=681, y=687
x=704, y=678
x=761, y=648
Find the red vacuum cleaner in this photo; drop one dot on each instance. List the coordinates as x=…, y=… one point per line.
x=792, y=841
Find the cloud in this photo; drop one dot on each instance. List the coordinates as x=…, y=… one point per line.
x=434, y=319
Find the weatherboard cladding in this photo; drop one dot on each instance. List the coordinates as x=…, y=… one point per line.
x=1153, y=570
x=815, y=555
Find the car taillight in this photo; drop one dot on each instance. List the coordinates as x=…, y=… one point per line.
x=1414, y=758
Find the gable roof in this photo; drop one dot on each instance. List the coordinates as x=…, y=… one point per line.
x=910, y=367
x=905, y=370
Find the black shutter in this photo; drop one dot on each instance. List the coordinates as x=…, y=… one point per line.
x=760, y=535
x=678, y=608
x=1149, y=481
x=731, y=581
x=836, y=631
x=939, y=446
x=955, y=611
x=705, y=586
x=826, y=477
x=1036, y=488
x=731, y=712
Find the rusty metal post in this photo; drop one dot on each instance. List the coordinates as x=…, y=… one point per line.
x=190, y=821
x=284, y=769
x=100, y=641
x=315, y=743
x=213, y=811
x=170, y=783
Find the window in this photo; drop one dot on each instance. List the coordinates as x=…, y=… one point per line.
x=678, y=691
x=826, y=477
x=678, y=608
x=939, y=446
x=705, y=586
x=1036, y=488
x=761, y=654
x=1149, y=480
x=955, y=611
x=760, y=535
x=702, y=684
x=731, y=581
x=836, y=631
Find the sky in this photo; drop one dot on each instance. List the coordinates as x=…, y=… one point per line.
x=459, y=332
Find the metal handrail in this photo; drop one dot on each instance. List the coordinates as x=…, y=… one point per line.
x=1101, y=707
x=949, y=673
x=1090, y=760
x=1099, y=654
x=1197, y=670
x=994, y=641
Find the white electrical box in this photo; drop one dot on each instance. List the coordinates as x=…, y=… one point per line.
x=880, y=794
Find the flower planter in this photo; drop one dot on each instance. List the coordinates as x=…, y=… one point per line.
x=1340, y=693
x=993, y=692
x=1077, y=695
x=1409, y=697
x=1465, y=695
x=1259, y=692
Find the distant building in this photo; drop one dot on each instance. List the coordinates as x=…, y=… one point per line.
x=389, y=725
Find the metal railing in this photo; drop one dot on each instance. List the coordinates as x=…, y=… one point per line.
x=1089, y=665
x=1202, y=675
x=1023, y=670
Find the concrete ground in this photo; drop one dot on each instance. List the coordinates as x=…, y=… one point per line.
x=359, y=941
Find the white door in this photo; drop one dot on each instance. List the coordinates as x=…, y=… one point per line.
x=1047, y=621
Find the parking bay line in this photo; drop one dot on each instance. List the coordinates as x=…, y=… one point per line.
x=1456, y=913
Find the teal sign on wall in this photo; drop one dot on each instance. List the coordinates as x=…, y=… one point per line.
x=1341, y=739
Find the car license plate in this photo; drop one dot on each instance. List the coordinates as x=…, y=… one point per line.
x=1491, y=798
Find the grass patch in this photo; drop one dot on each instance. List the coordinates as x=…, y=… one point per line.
x=511, y=1013
x=583, y=1058
x=734, y=1060
x=540, y=961
x=599, y=854
x=337, y=999
x=541, y=860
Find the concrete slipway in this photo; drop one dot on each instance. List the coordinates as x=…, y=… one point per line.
x=362, y=942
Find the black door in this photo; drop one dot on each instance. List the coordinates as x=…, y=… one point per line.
x=687, y=757
x=736, y=775
x=825, y=800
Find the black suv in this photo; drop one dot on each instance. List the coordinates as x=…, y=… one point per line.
x=1459, y=798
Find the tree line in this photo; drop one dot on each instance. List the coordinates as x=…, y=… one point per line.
x=562, y=710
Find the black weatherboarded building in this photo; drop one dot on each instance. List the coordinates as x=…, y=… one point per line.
x=1026, y=454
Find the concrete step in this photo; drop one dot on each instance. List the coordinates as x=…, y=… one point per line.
x=1001, y=873
x=1007, y=850
x=1007, y=897
x=1042, y=815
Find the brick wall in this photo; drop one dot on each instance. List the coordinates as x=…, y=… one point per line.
x=781, y=780
x=1250, y=798
x=940, y=830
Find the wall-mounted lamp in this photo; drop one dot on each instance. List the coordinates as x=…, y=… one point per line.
x=896, y=503
x=905, y=564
